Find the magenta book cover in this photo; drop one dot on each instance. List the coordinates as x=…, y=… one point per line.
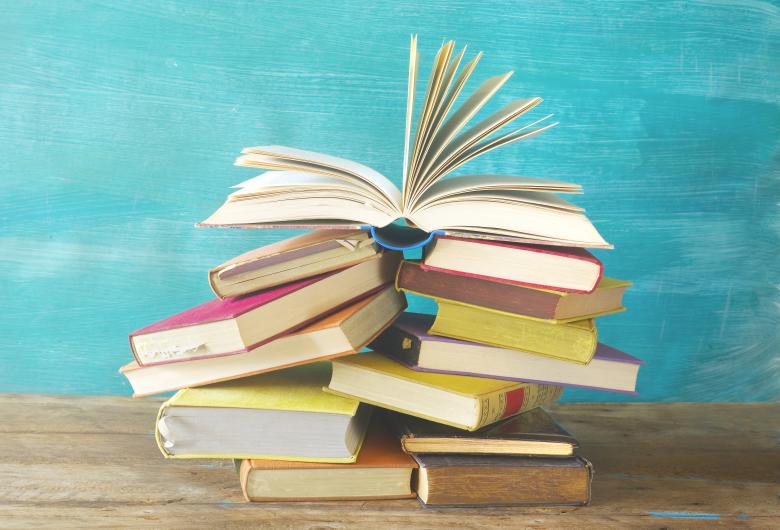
x=215, y=310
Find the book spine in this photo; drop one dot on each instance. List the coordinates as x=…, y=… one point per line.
x=515, y=400
x=399, y=344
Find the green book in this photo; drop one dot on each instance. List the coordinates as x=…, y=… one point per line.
x=572, y=341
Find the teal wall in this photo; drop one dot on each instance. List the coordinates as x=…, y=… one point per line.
x=119, y=122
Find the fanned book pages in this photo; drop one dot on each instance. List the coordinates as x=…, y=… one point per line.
x=307, y=189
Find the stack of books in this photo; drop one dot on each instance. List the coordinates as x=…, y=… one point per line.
x=273, y=372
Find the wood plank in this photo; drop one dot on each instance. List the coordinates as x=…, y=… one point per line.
x=90, y=462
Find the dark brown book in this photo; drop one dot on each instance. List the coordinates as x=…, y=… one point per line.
x=533, y=433
x=510, y=297
x=469, y=480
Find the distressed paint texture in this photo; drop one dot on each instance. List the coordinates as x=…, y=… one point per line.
x=119, y=122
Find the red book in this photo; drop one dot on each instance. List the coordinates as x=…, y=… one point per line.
x=237, y=325
x=573, y=270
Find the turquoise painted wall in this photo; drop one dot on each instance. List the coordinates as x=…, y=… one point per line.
x=119, y=122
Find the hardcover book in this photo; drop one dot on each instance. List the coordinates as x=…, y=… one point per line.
x=407, y=340
x=235, y=325
x=309, y=189
x=533, y=433
x=460, y=401
x=382, y=471
x=572, y=341
x=508, y=297
x=493, y=480
x=290, y=260
x=343, y=333
x=572, y=270
x=283, y=415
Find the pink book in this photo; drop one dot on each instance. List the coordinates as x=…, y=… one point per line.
x=236, y=325
x=563, y=269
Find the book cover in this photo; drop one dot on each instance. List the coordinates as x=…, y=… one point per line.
x=297, y=389
x=408, y=334
x=294, y=389
x=573, y=341
x=531, y=433
x=235, y=325
x=290, y=260
x=342, y=333
x=495, y=399
x=495, y=480
x=508, y=297
x=380, y=450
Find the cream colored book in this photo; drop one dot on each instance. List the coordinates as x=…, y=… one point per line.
x=291, y=260
x=457, y=400
x=310, y=189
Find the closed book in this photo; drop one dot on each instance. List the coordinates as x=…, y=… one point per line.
x=290, y=260
x=382, y=471
x=493, y=480
x=532, y=433
x=234, y=325
x=571, y=341
x=558, y=268
x=282, y=415
x=460, y=401
x=510, y=297
x=344, y=332
x=408, y=341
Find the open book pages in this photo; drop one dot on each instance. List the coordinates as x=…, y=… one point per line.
x=310, y=189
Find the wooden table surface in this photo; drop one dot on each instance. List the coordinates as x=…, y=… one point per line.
x=92, y=462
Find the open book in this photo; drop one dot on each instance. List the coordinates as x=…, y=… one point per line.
x=314, y=190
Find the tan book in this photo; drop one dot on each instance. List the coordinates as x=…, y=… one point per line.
x=382, y=471
x=342, y=333
x=290, y=260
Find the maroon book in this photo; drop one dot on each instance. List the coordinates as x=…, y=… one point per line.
x=509, y=297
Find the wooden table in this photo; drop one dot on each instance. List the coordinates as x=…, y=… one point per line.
x=91, y=461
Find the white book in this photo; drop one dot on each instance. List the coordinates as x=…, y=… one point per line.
x=316, y=190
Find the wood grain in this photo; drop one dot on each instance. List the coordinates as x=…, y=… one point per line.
x=119, y=122
x=91, y=462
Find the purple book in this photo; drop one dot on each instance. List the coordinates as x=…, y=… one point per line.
x=408, y=341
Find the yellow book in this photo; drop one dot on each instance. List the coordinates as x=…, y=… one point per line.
x=572, y=341
x=283, y=415
x=460, y=401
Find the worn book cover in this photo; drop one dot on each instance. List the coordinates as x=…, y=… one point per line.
x=342, y=333
x=572, y=341
x=235, y=325
x=493, y=399
x=494, y=480
x=291, y=260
